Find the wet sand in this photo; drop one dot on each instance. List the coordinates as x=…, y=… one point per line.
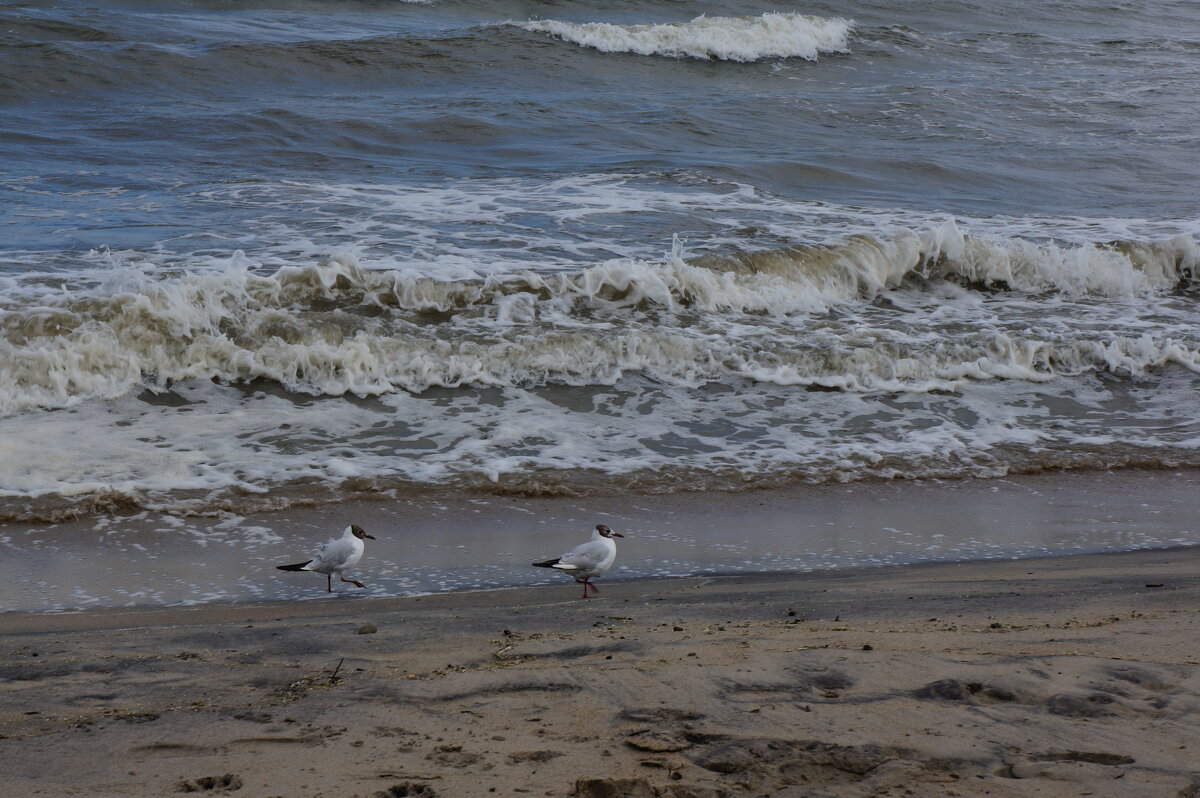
x=479, y=541
x=1047, y=677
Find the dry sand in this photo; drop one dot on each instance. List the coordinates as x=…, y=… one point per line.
x=1049, y=677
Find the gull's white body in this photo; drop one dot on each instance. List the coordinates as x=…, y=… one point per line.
x=337, y=554
x=589, y=560
x=335, y=557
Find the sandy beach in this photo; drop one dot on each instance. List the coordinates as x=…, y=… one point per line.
x=1047, y=677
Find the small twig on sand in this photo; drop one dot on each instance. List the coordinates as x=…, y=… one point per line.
x=333, y=678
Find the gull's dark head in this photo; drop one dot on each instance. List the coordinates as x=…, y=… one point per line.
x=606, y=532
x=359, y=532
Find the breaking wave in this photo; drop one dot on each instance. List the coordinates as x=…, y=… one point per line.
x=772, y=35
x=337, y=328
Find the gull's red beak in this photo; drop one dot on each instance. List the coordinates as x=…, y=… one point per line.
x=616, y=534
x=372, y=537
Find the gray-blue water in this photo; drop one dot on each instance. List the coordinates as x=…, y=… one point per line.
x=253, y=251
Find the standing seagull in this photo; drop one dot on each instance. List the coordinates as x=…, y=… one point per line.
x=336, y=556
x=590, y=560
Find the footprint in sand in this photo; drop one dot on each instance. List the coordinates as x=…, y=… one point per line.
x=407, y=789
x=227, y=783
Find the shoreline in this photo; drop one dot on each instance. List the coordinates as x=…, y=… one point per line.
x=17, y=622
x=1005, y=678
x=441, y=545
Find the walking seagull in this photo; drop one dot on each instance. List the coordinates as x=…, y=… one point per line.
x=336, y=556
x=590, y=560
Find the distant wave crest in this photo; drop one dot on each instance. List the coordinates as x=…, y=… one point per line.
x=772, y=35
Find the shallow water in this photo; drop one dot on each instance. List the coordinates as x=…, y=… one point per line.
x=476, y=542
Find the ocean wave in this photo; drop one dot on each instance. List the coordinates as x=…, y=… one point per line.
x=772, y=35
x=336, y=328
x=865, y=265
x=25, y=30
x=60, y=66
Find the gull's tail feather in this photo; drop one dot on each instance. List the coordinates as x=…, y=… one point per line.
x=548, y=563
x=296, y=567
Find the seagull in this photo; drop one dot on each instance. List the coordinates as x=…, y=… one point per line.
x=336, y=556
x=590, y=560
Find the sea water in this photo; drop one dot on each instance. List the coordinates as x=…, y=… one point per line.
x=273, y=253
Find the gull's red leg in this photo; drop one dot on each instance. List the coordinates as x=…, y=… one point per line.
x=329, y=583
x=354, y=582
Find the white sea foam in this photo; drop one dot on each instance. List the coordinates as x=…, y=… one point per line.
x=338, y=328
x=772, y=35
x=220, y=438
x=468, y=229
x=575, y=345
